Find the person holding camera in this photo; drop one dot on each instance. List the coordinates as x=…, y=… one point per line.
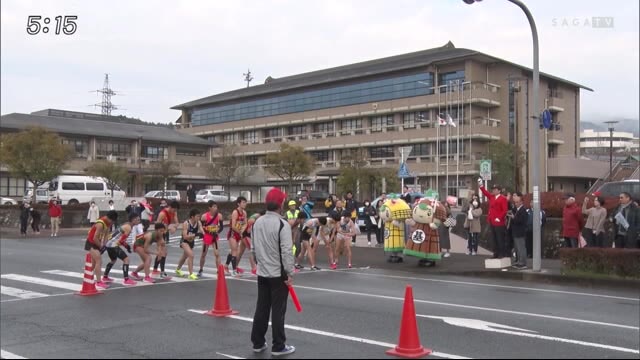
x=191, y=229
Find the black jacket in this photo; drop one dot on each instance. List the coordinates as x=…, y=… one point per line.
x=519, y=222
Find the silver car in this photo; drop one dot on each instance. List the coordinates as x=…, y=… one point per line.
x=159, y=194
x=215, y=195
x=8, y=201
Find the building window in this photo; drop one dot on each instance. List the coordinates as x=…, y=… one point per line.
x=251, y=160
x=11, y=186
x=190, y=152
x=512, y=112
x=550, y=186
x=381, y=152
x=251, y=137
x=79, y=147
x=320, y=155
x=155, y=152
x=229, y=139
x=380, y=89
x=420, y=150
x=273, y=133
x=326, y=128
x=382, y=122
x=350, y=125
x=450, y=81
x=297, y=130
x=115, y=149
x=409, y=120
x=453, y=147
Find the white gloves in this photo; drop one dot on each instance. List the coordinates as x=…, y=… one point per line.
x=480, y=181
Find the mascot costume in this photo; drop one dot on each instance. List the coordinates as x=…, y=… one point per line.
x=394, y=212
x=424, y=242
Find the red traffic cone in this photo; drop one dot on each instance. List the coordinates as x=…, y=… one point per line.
x=221, y=305
x=88, y=284
x=409, y=341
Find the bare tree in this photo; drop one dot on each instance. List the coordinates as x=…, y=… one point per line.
x=290, y=164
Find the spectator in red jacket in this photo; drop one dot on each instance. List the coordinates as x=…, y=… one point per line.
x=55, y=213
x=572, y=221
x=497, y=219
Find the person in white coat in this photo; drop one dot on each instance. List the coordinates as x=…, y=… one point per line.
x=94, y=213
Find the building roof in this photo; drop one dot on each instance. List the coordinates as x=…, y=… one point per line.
x=110, y=129
x=422, y=58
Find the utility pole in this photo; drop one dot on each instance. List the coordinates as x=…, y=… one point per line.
x=610, y=125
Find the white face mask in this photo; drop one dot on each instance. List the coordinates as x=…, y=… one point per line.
x=475, y=203
x=366, y=204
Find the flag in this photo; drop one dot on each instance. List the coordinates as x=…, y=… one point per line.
x=450, y=121
x=441, y=121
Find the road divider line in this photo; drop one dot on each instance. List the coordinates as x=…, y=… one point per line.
x=590, y=322
x=229, y=356
x=8, y=355
x=494, y=285
x=337, y=336
x=20, y=293
x=542, y=337
x=42, y=281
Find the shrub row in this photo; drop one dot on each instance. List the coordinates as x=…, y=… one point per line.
x=623, y=263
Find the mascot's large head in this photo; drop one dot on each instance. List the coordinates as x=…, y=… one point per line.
x=395, y=209
x=423, y=211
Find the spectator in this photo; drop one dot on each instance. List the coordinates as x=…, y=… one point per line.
x=330, y=203
x=518, y=230
x=406, y=195
x=35, y=222
x=111, y=206
x=55, y=213
x=272, y=247
x=133, y=208
x=337, y=210
x=497, y=219
x=593, y=231
x=380, y=229
x=472, y=224
x=24, y=218
x=351, y=206
x=94, y=214
x=443, y=231
x=191, y=194
x=572, y=221
x=626, y=218
x=371, y=222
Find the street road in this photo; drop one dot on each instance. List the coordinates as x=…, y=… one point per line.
x=348, y=313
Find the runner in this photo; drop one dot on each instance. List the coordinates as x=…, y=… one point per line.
x=346, y=230
x=95, y=244
x=328, y=235
x=147, y=213
x=237, y=227
x=130, y=230
x=246, y=243
x=309, y=236
x=169, y=217
x=213, y=225
x=142, y=247
x=191, y=229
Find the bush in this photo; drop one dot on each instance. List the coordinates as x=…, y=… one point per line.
x=623, y=263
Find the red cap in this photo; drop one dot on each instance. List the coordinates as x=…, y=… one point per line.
x=597, y=193
x=275, y=196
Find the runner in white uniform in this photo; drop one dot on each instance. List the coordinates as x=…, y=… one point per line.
x=121, y=239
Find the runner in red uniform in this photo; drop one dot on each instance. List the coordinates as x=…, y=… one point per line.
x=246, y=243
x=95, y=244
x=169, y=217
x=236, y=228
x=212, y=225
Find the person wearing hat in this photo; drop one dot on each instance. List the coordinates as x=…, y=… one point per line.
x=497, y=217
x=572, y=221
x=271, y=243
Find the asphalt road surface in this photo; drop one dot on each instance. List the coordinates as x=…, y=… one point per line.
x=348, y=313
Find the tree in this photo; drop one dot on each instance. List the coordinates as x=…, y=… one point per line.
x=165, y=172
x=113, y=174
x=506, y=161
x=227, y=167
x=34, y=154
x=353, y=172
x=290, y=164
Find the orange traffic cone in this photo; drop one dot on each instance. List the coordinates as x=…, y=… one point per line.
x=221, y=306
x=409, y=341
x=88, y=284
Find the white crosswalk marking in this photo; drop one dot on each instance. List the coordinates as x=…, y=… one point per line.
x=19, y=293
x=45, y=282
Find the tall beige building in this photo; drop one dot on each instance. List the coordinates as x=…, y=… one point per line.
x=386, y=104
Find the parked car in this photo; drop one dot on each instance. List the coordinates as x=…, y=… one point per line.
x=313, y=195
x=42, y=195
x=76, y=189
x=614, y=188
x=205, y=195
x=8, y=201
x=159, y=194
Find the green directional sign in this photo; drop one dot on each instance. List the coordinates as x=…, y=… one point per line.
x=485, y=169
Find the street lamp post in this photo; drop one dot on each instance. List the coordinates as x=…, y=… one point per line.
x=610, y=126
x=534, y=130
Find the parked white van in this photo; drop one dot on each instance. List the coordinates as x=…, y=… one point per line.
x=73, y=189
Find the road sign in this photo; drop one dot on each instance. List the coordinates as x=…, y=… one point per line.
x=403, y=173
x=546, y=119
x=485, y=169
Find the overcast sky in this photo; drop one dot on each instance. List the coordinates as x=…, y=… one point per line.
x=163, y=53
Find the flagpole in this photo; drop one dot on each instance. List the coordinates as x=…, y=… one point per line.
x=447, y=106
x=458, y=145
x=438, y=144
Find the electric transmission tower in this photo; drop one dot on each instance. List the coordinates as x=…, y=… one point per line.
x=107, y=93
x=248, y=77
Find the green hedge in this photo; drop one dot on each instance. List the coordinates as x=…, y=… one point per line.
x=624, y=263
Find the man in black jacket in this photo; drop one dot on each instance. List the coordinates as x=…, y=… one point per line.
x=518, y=230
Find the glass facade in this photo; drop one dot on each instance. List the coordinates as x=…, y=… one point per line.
x=364, y=92
x=381, y=152
x=512, y=113
x=155, y=152
x=115, y=149
x=452, y=79
x=79, y=147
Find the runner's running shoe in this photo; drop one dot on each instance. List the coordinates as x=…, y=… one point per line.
x=128, y=281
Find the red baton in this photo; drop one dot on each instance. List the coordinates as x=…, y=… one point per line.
x=294, y=298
